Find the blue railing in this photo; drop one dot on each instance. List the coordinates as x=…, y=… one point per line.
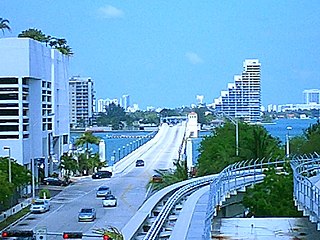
x=306, y=193
x=232, y=178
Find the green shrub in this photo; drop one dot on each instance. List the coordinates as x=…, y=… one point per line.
x=44, y=192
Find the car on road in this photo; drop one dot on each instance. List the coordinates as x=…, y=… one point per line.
x=54, y=181
x=101, y=174
x=103, y=191
x=87, y=214
x=40, y=206
x=157, y=178
x=139, y=163
x=109, y=201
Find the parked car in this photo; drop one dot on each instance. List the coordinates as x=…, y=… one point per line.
x=54, y=181
x=40, y=206
x=86, y=214
x=102, y=174
x=139, y=163
x=157, y=178
x=109, y=201
x=103, y=191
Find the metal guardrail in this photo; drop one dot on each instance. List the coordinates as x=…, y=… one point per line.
x=306, y=193
x=156, y=227
x=232, y=178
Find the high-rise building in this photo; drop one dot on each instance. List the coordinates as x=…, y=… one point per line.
x=125, y=102
x=81, y=99
x=102, y=104
x=311, y=96
x=243, y=98
x=33, y=103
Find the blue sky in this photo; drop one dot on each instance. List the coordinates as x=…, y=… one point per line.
x=163, y=53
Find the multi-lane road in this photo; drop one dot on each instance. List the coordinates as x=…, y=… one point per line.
x=128, y=184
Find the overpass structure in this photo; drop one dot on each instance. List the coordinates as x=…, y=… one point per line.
x=159, y=218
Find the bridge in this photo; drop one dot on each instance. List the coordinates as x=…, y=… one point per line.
x=164, y=217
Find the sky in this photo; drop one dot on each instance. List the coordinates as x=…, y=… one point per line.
x=163, y=53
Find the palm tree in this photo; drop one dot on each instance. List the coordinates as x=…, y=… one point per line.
x=65, y=50
x=112, y=232
x=85, y=163
x=58, y=43
x=34, y=34
x=4, y=25
x=179, y=174
x=87, y=138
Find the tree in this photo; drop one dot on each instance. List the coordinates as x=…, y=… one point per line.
x=57, y=43
x=87, y=161
x=308, y=142
x=112, y=232
x=179, y=174
x=113, y=116
x=4, y=25
x=21, y=177
x=69, y=164
x=34, y=34
x=218, y=150
x=272, y=197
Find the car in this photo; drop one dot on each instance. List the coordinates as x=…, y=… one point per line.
x=139, y=163
x=157, y=178
x=103, y=191
x=109, y=201
x=87, y=214
x=54, y=181
x=40, y=206
x=102, y=174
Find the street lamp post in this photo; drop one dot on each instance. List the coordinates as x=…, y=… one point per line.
x=9, y=162
x=288, y=141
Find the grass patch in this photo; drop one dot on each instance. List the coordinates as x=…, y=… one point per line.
x=5, y=223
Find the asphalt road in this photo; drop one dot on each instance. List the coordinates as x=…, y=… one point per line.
x=128, y=184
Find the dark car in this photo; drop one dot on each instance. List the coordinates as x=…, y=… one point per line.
x=102, y=174
x=54, y=181
x=139, y=163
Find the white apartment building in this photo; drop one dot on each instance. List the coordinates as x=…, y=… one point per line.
x=101, y=104
x=311, y=96
x=243, y=97
x=81, y=99
x=34, y=107
x=125, y=102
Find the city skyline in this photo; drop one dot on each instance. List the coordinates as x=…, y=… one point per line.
x=165, y=54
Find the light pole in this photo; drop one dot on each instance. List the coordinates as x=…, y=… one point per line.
x=288, y=141
x=9, y=162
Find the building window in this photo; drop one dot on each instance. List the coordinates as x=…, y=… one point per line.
x=9, y=80
x=9, y=136
x=65, y=139
x=9, y=128
x=9, y=112
x=9, y=96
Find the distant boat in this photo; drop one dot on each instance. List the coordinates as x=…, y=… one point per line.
x=304, y=116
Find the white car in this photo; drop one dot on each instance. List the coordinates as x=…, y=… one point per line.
x=40, y=206
x=109, y=201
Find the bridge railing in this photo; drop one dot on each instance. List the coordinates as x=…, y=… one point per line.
x=306, y=193
x=232, y=178
x=156, y=227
